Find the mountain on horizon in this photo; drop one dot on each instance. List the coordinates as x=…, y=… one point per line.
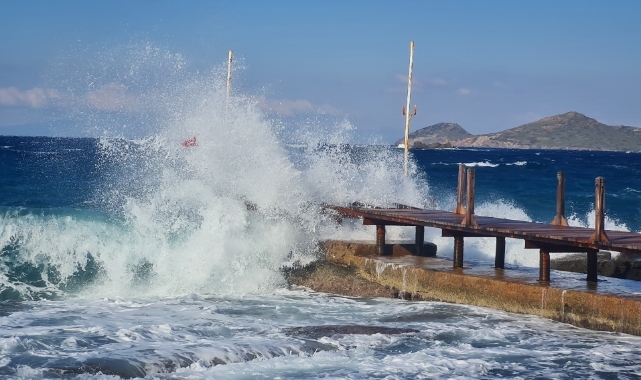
x=571, y=130
x=437, y=134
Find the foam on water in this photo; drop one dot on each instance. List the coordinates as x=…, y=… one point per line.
x=192, y=336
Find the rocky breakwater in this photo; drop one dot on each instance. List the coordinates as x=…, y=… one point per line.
x=622, y=266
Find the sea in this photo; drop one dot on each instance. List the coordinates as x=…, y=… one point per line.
x=139, y=257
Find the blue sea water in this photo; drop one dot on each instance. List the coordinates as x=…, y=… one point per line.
x=139, y=258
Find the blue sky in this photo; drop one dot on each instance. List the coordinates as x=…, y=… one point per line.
x=487, y=65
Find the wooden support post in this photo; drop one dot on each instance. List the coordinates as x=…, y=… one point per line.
x=544, y=266
x=499, y=257
x=460, y=191
x=559, y=219
x=420, y=240
x=380, y=239
x=469, y=220
x=458, y=252
x=599, y=235
x=592, y=265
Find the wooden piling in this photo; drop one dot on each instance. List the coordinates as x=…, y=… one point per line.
x=380, y=239
x=599, y=235
x=592, y=265
x=544, y=266
x=499, y=257
x=420, y=240
x=458, y=252
x=460, y=191
x=559, y=219
x=469, y=220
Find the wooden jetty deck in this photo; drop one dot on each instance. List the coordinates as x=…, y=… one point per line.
x=462, y=223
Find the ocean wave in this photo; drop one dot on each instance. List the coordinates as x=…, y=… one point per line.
x=223, y=217
x=481, y=164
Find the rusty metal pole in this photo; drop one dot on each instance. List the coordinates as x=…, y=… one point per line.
x=599, y=235
x=559, y=219
x=592, y=265
x=408, y=116
x=544, y=266
x=380, y=239
x=458, y=252
x=460, y=191
x=469, y=220
x=499, y=257
x=420, y=240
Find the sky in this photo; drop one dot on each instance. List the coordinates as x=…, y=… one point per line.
x=486, y=65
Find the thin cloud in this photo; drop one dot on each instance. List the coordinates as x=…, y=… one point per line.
x=35, y=98
x=464, y=91
x=437, y=82
x=287, y=107
x=112, y=97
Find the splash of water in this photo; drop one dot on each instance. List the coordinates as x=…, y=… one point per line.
x=220, y=217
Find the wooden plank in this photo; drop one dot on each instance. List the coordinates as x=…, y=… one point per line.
x=579, y=237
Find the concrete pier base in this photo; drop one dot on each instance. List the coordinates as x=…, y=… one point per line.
x=612, y=305
x=391, y=248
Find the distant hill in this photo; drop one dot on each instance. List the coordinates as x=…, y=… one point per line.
x=570, y=130
x=437, y=134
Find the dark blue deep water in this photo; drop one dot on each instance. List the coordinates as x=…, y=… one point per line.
x=64, y=173
x=528, y=178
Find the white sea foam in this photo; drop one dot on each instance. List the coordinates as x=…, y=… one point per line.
x=481, y=164
x=265, y=336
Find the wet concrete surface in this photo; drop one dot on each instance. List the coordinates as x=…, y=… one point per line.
x=610, y=304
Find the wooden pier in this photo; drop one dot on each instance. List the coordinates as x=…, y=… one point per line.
x=463, y=223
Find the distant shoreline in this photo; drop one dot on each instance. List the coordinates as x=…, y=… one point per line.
x=568, y=131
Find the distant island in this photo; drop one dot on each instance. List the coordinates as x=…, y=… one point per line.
x=570, y=130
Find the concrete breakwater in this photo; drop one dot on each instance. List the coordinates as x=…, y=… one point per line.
x=354, y=269
x=622, y=266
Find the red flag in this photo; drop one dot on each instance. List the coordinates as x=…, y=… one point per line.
x=190, y=142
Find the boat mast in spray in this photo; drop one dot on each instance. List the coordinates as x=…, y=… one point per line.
x=229, y=74
x=408, y=115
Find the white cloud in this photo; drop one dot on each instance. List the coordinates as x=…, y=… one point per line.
x=287, y=107
x=35, y=98
x=437, y=82
x=464, y=91
x=112, y=97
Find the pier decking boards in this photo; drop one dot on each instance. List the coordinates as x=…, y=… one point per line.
x=545, y=237
x=570, y=238
x=462, y=222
